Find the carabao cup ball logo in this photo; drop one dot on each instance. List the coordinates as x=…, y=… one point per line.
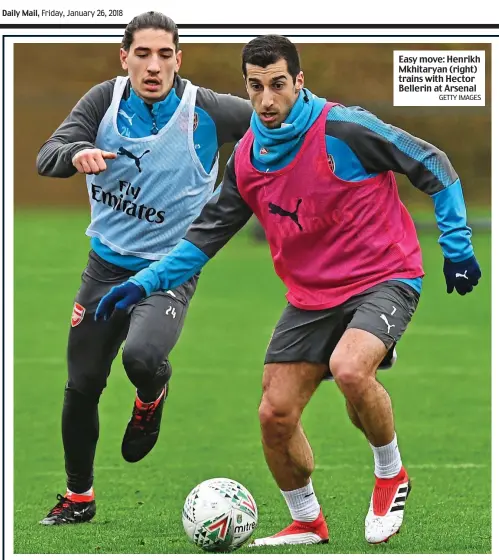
x=219, y=515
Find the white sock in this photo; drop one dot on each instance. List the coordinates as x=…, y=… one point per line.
x=387, y=461
x=302, y=503
x=87, y=493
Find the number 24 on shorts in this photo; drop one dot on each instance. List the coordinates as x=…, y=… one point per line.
x=171, y=311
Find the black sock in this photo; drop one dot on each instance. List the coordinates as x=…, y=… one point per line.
x=80, y=432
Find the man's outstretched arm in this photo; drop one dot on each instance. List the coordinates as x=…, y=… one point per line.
x=383, y=147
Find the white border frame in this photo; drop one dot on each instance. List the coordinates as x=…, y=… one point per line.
x=187, y=36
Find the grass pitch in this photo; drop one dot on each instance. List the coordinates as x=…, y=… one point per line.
x=441, y=391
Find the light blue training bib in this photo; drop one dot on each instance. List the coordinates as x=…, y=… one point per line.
x=144, y=202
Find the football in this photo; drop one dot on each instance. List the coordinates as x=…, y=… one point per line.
x=219, y=515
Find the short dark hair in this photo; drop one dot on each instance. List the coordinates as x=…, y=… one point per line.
x=149, y=20
x=267, y=49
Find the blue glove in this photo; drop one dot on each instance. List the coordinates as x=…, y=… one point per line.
x=462, y=275
x=119, y=297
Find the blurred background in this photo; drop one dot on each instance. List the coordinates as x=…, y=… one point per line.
x=351, y=74
x=440, y=385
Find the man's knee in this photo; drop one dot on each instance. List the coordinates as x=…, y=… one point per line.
x=287, y=388
x=278, y=421
x=350, y=375
x=141, y=363
x=88, y=382
x=355, y=360
x=84, y=394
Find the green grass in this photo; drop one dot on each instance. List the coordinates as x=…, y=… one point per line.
x=440, y=390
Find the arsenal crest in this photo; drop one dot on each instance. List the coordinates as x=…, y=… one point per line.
x=78, y=314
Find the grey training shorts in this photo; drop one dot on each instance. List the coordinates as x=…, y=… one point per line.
x=311, y=336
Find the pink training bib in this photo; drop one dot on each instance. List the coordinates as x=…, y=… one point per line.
x=330, y=239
